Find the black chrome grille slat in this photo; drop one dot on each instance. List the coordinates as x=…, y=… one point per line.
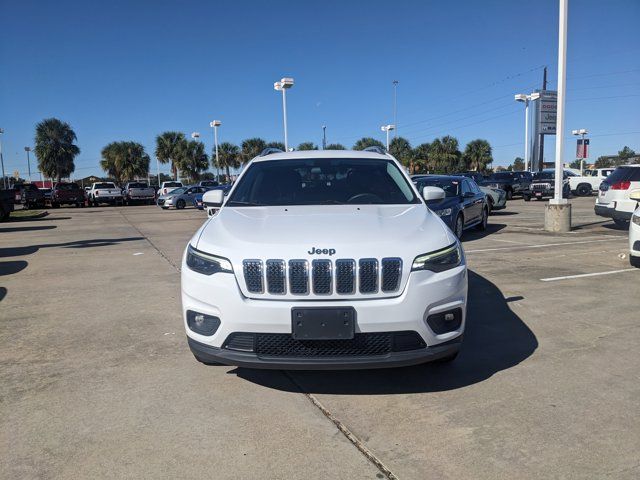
x=391, y=274
x=276, y=277
x=322, y=277
x=345, y=276
x=253, y=275
x=368, y=275
x=299, y=277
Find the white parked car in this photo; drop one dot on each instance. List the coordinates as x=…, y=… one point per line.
x=583, y=185
x=613, y=198
x=324, y=260
x=634, y=231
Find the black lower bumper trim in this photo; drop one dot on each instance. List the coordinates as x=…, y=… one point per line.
x=612, y=213
x=208, y=354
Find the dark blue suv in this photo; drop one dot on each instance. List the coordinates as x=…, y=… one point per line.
x=464, y=205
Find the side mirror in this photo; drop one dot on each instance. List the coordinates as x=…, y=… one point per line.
x=634, y=195
x=432, y=193
x=213, y=198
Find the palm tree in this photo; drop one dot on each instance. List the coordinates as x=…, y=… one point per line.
x=55, y=149
x=192, y=159
x=335, y=146
x=477, y=155
x=109, y=162
x=229, y=155
x=252, y=147
x=367, y=142
x=307, y=146
x=168, y=148
x=401, y=149
x=421, y=158
x=444, y=154
x=125, y=161
x=278, y=145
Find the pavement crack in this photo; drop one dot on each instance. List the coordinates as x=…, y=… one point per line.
x=350, y=436
x=160, y=252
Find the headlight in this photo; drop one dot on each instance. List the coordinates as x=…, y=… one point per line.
x=636, y=219
x=440, y=260
x=443, y=213
x=207, y=264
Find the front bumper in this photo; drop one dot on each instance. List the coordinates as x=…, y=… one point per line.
x=426, y=293
x=210, y=354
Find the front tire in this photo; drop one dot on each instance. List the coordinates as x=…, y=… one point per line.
x=458, y=226
x=583, y=190
x=527, y=198
x=181, y=204
x=509, y=194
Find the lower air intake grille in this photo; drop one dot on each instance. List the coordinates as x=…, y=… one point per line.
x=363, y=344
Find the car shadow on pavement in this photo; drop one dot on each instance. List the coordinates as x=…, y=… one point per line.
x=495, y=339
x=9, y=268
x=502, y=213
x=473, y=234
x=98, y=242
x=3, y=293
x=27, y=228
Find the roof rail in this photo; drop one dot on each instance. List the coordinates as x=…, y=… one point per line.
x=269, y=151
x=376, y=149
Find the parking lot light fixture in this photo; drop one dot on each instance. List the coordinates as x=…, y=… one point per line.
x=283, y=85
x=387, y=128
x=215, y=124
x=522, y=97
x=4, y=177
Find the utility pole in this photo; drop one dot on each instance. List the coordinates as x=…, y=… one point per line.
x=28, y=149
x=4, y=178
x=324, y=137
x=541, y=135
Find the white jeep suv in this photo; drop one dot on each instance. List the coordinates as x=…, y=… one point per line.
x=324, y=260
x=613, y=197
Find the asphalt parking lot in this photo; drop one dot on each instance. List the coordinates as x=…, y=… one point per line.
x=98, y=381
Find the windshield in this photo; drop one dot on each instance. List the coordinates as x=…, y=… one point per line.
x=544, y=176
x=450, y=186
x=105, y=185
x=623, y=174
x=322, y=181
x=177, y=191
x=67, y=186
x=501, y=176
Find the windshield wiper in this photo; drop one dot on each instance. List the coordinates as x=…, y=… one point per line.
x=237, y=203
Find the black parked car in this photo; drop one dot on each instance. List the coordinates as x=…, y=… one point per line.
x=28, y=195
x=464, y=205
x=513, y=183
x=543, y=185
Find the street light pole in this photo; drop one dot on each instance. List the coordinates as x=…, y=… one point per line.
x=4, y=177
x=395, y=106
x=215, y=124
x=324, y=137
x=521, y=97
x=387, y=128
x=283, y=85
x=28, y=149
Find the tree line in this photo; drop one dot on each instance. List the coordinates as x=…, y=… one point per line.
x=56, y=150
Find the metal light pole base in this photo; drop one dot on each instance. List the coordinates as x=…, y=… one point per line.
x=557, y=216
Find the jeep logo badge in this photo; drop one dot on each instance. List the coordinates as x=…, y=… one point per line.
x=321, y=251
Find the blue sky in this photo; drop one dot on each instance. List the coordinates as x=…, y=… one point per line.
x=128, y=70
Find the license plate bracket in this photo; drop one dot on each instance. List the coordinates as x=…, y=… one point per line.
x=323, y=323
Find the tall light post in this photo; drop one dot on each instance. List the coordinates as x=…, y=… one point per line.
x=28, y=149
x=324, y=137
x=387, y=128
x=215, y=124
x=4, y=177
x=582, y=132
x=521, y=97
x=395, y=106
x=283, y=85
x=557, y=216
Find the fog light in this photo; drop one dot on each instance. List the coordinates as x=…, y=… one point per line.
x=444, y=322
x=201, y=323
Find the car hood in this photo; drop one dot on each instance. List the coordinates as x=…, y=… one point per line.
x=353, y=231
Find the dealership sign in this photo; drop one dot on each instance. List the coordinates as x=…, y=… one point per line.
x=546, y=112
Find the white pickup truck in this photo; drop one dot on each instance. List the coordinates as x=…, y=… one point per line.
x=589, y=182
x=104, y=192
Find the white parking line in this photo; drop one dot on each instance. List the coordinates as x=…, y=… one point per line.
x=543, y=245
x=553, y=279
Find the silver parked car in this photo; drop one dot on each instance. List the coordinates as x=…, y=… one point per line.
x=180, y=197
